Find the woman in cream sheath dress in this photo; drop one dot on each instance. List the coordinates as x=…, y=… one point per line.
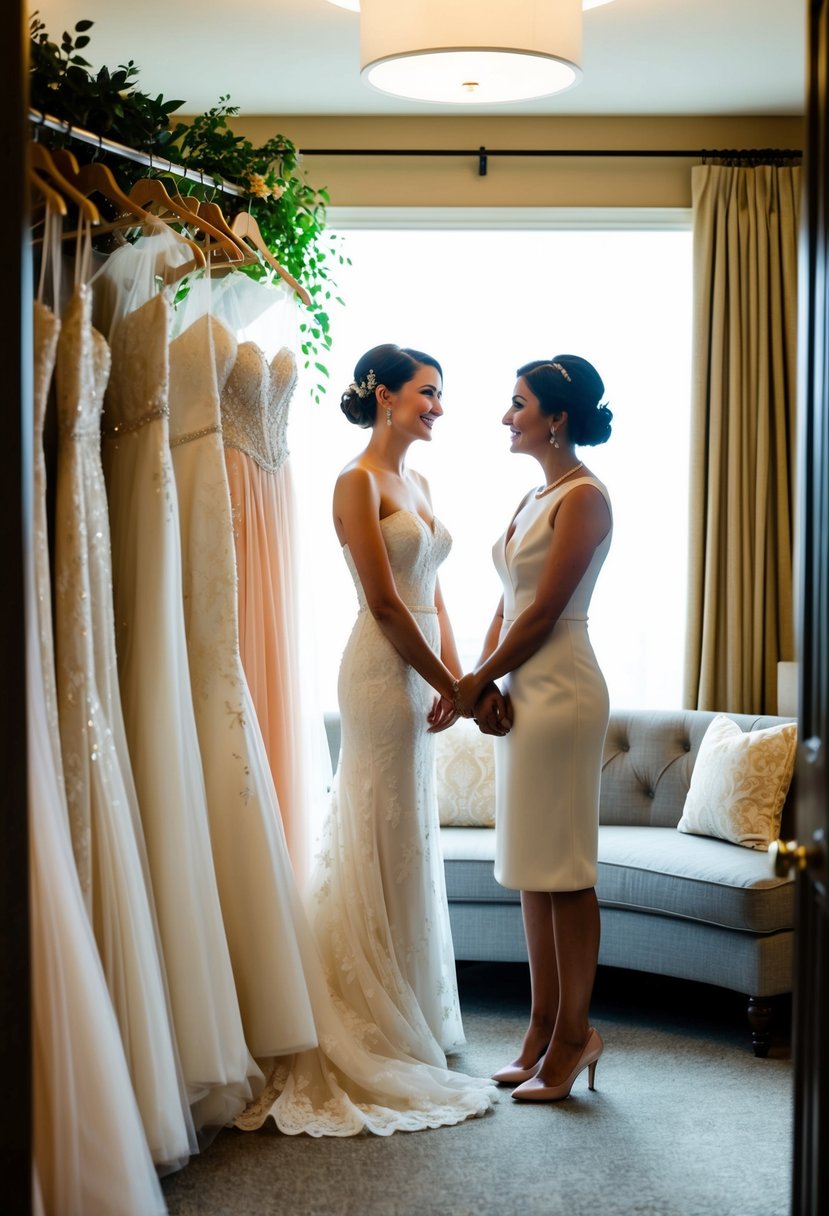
x=550, y=717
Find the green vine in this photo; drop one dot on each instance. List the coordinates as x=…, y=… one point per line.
x=291, y=213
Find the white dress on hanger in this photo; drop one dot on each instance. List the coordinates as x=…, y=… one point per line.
x=252, y=865
x=90, y=1153
x=99, y=784
x=158, y=707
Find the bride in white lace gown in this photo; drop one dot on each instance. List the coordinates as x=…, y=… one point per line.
x=388, y=1007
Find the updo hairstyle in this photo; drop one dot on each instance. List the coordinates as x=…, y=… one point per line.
x=571, y=384
x=388, y=364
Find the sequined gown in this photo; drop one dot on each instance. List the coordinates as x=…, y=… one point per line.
x=255, y=404
x=383, y=988
x=256, y=882
x=101, y=794
x=158, y=714
x=90, y=1152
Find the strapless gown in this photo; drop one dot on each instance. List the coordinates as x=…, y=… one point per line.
x=548, y=768
x=157, y=703
x=99, y=783
x=255, y=403
x=255, y=878
x=90, y=1152
x=383, y=988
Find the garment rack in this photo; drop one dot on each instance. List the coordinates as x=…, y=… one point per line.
x=103, y=144
x=749, y=155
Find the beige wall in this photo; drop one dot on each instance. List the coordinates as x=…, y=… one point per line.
x=511, y=182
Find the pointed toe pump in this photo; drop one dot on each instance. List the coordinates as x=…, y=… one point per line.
x=534, y=1091
x=514, y=1076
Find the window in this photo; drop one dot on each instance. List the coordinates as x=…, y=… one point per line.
x=483, y=301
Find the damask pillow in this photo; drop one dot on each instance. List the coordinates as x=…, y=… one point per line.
x=739, y=783
x=465, y=776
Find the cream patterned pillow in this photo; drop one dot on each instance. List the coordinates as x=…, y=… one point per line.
x=465, y=777
x=739, y=783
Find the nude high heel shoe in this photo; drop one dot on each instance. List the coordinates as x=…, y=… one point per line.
x=533, y=1091
x=514, y=1076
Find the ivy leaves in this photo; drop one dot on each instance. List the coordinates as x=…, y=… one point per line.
x=290, y=212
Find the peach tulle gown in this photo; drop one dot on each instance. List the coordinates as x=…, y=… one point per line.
x=255, y=404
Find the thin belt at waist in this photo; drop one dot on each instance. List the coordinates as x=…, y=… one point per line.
x=582, y=620
x=414, y=608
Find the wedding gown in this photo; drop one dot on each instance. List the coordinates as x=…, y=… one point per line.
x=255, y=403
x=252, y=865
x=99, y=783
x=382, y=982
x=90, y=1152
x=158, y=713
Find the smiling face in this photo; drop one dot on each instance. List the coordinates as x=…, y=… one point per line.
x=417, y=404
x=529, y=427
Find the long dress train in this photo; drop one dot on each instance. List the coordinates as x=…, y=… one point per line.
x=99, y=784
x=158, y=715
x=382, y=981
x=252, y=867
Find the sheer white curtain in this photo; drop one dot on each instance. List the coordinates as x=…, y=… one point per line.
x=483, y=302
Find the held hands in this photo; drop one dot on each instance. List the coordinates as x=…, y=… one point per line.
x=491, y=710
x=442, y=714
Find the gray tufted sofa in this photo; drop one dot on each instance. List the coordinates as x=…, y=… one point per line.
x=671, y=904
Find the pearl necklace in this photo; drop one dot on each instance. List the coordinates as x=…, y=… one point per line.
x=563, y=477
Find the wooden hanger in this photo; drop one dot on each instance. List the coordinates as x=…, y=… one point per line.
x=153, y=190
x=50, y=164
x=246, y=227
x=54, y=200
x=212, y=214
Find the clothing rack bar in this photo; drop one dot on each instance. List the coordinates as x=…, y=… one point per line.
x=758, y=155
x=126, y=153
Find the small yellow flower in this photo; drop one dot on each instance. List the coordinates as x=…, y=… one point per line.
x=257, y=185
x=277, y=191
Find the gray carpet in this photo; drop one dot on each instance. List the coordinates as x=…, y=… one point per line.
x=684, y=1121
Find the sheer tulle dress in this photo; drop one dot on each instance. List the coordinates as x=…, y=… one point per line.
x=158, y=715
x=255, y=405
x=90, y=1152
x=252, y=866
x=99, y=784
x=383, y=981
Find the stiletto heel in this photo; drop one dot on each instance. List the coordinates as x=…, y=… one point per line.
x=531, y=1091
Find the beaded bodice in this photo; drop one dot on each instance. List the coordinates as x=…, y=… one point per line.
x=84, y=372
x=416, y=550
x=46, y=330
x=255, y=404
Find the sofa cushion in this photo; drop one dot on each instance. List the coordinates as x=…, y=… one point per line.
x=465, y=768
x=739, y=783
x=647, y=869
x=657, y=870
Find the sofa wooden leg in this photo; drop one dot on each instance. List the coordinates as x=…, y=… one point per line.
x=759, y=1019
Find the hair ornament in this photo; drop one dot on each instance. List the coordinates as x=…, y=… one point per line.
x=366, y=387
x=561, y=368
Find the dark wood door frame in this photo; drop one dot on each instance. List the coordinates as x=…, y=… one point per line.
x=15, y=513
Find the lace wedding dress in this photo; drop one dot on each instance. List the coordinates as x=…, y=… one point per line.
x=90, y=1152
x=158, y=713
x=99, y=784
x=383, y=981
x=256, y=883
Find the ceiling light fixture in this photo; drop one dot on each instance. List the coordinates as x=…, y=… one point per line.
x=470, y=52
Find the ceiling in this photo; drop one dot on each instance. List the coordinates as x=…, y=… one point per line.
x=670, y=57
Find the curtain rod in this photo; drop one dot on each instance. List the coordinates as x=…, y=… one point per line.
x=760, y=155
x=126, y=153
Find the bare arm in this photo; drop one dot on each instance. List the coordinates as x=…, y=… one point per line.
x=581, y=523
x=357, y=519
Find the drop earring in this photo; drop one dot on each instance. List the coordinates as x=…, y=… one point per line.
x=553, y=437
x=388, y=415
